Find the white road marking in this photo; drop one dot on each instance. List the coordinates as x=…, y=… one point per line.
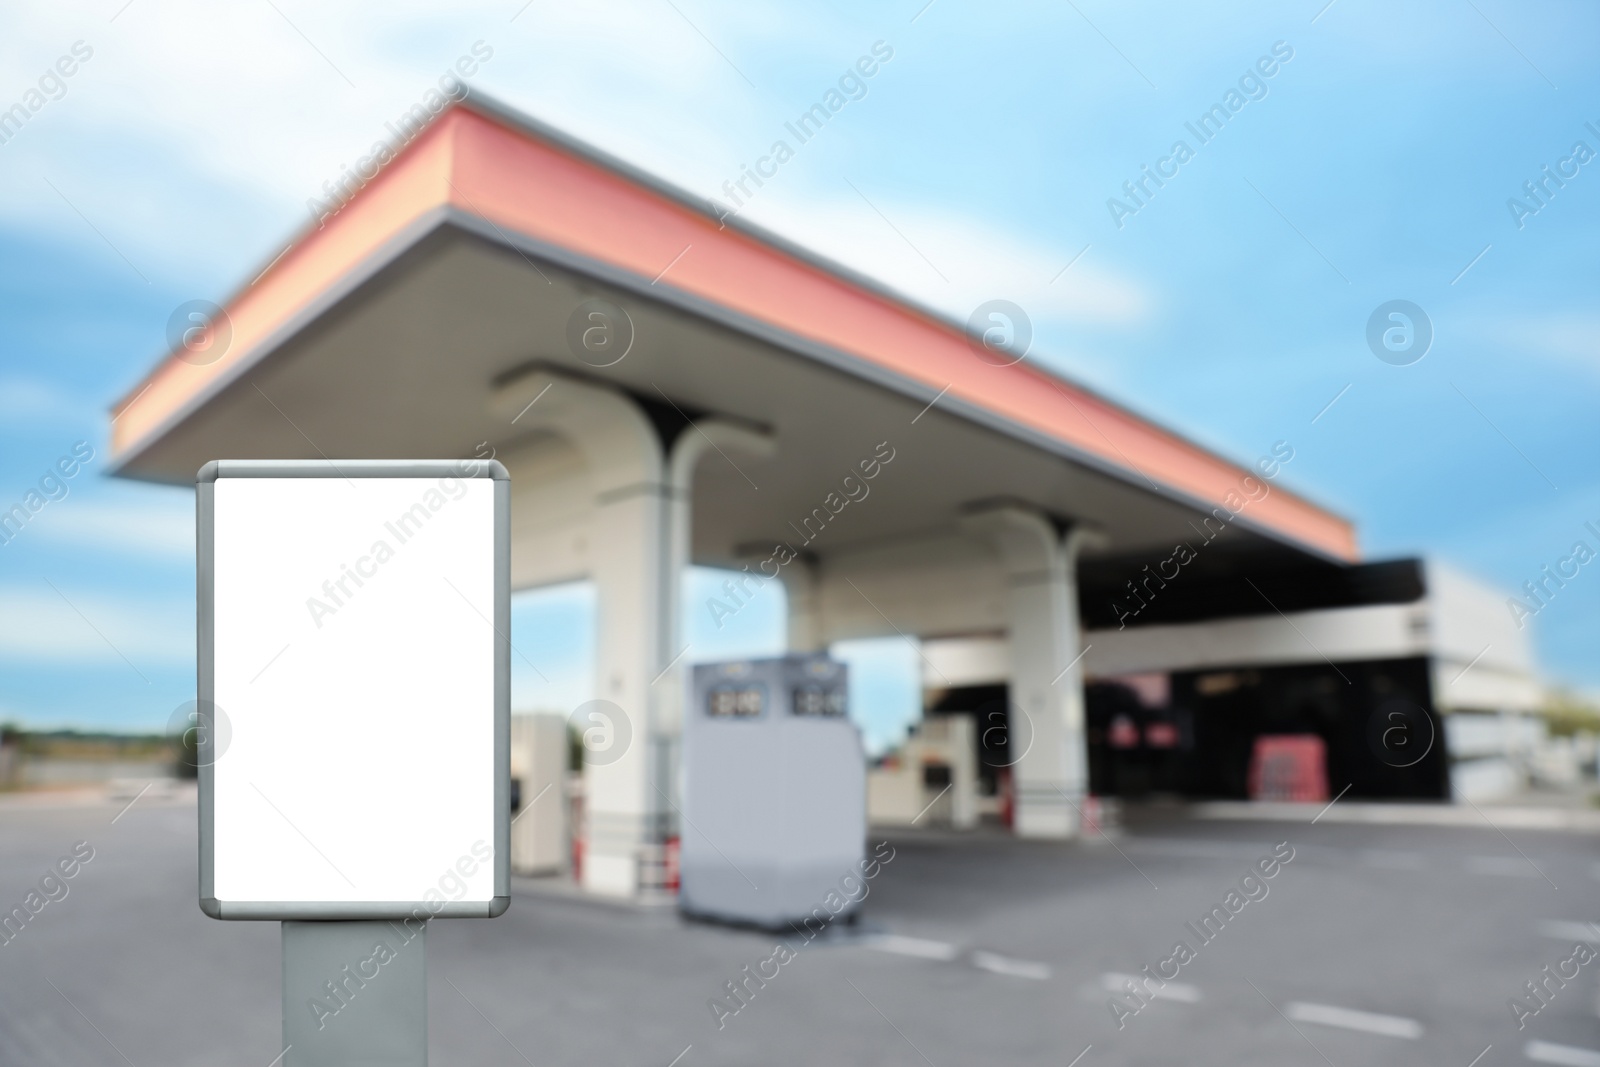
x=1392, y=861
x=1569, y=931
x=997, y=964
x=1501, y=865
x=914, y=946
x=1350, y=1019
x=1182, y=992
x=1566, y=1055
x=1190, y=849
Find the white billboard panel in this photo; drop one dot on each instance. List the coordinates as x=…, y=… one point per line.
x=354, y=688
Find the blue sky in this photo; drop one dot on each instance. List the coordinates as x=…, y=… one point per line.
x=1232, y=305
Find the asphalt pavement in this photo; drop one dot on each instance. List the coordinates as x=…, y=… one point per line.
x=1368, y=944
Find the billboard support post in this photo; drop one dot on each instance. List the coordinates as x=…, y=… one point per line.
x=355, y=992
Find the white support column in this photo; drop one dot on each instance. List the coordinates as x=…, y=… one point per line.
x=1046, y=730
x=627, y=470
x=802, y=589
x=1070, y=681
x=669, y=689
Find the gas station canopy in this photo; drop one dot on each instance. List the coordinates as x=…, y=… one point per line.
x=385, y=332
x=760, y=393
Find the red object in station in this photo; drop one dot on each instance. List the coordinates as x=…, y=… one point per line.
x=1123, y=733
x=1161, y=735
x=672, y=853
x=1291, y=767
x=1093, y=816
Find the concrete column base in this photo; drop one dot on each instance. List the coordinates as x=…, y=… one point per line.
x=1043, y=812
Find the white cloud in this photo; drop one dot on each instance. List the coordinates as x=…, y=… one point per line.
x=219, y=122
x=954, y=262
x=1569, y=340
x=151, y=529
x=189, y=111
x=34, y=400
x=68, y=625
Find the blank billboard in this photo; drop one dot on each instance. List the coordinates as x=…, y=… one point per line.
x=353, y=688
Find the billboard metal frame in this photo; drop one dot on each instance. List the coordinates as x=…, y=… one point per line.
x=205, y=594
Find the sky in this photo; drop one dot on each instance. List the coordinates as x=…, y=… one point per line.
x=1383, y=158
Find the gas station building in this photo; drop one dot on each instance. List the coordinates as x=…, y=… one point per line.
x=669, y=387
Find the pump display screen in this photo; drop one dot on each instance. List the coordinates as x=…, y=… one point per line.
x=736, y=701
x=819, y=701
